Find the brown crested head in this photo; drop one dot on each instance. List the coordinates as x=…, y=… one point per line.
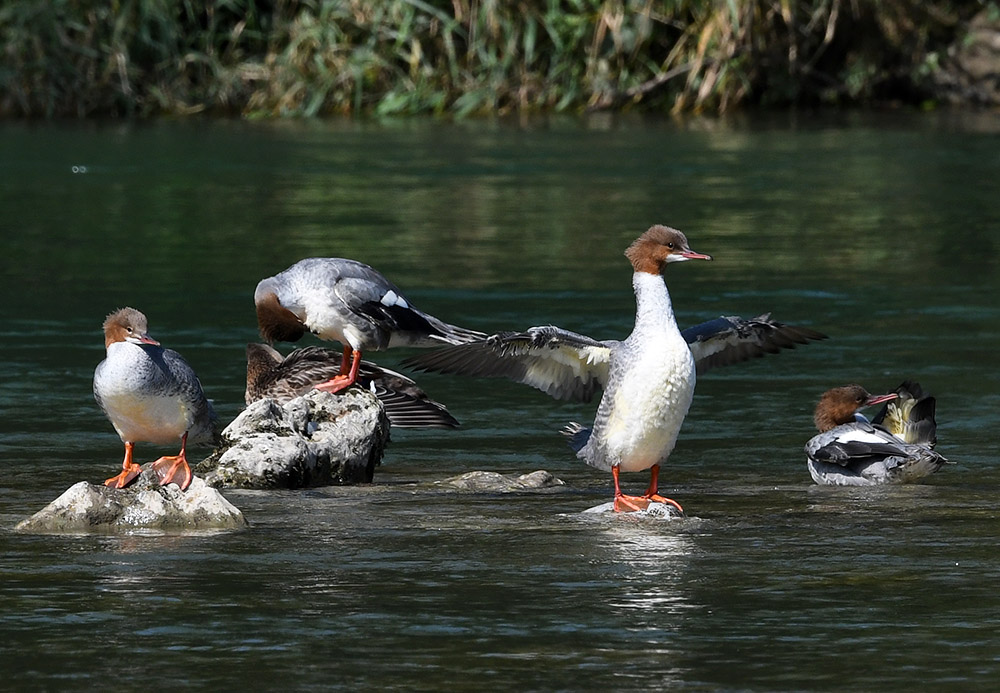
x=276, y=323
x=660, y=245
x=126, y=325
x=838, y=406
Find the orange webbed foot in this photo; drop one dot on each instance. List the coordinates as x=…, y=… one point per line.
x=335, y=384
x=630, y=504
x=173, y=470
x=656, y=498
x=128, y=474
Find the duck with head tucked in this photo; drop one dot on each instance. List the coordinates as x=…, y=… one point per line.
x=348, y=302
x=283, y=378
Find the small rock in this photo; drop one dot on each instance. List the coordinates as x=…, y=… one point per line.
x=494, y=482
x=318, y=439
x=656, y=510
x=143, y=504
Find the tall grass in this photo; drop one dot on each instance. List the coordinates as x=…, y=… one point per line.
x=461, y=57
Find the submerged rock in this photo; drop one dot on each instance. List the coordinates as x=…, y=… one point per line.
x=494, y=482
x=142, y=505
x=656, y=510
x=318, y=439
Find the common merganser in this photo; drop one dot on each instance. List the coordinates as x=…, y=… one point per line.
x=895, y=448
x=150, y=394
x=269, y=374
x=648, y=379
x=351, y=303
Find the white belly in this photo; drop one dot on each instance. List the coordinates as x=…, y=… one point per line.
x=648, y=409
x=160, y=420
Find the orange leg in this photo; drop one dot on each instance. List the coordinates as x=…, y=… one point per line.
x=651, y=494
x=346, y=354
x=130, y=470
x=346, y=378
x=174, y=469
x=628, y=504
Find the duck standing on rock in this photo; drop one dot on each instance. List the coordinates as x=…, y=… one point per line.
x=648, y=379
x=283, y=378
x=150, y=394
x=348, y=302
x=651, y=377
x=895, y=448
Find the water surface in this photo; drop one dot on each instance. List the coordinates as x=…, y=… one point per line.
x=881, y=231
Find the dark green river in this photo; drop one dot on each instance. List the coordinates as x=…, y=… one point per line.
x=882, y=231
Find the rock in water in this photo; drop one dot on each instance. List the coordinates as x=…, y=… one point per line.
x=318, y=439
x=656, y=510
x=494, y=482
x=144, y=504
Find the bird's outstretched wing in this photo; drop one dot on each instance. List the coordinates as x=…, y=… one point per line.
x=731, y=339
x=560, y=363
x=572, y=366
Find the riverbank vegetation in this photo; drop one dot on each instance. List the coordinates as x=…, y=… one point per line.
x=463, y=57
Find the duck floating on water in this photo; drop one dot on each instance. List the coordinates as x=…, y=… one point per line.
x=648, y=379
x=895, y=448
x=282, y=378
x=348, y=302
x=150, y=394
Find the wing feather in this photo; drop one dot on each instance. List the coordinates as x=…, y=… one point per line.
x=560, y=363
x=284, y=378
x=572, y=366
x=731, y=339
x=853, y=442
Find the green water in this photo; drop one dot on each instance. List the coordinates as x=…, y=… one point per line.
x=881, y=231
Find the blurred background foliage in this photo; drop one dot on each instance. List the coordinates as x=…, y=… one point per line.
x=463, y=57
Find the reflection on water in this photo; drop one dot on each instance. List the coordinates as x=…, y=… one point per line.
x=880, y=232
x=655, y=563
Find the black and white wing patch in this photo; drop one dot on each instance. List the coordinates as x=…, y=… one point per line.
x=387, y=310
x=731, y=339
x=852, y=442
x=560, y=363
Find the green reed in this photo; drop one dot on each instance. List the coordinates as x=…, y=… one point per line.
x=462, y=57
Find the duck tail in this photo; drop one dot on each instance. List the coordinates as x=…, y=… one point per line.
x=577, y=435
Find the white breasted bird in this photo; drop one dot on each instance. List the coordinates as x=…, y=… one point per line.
x=896, y=447
x=348, y=302
x=150, y=394
x=648, y=379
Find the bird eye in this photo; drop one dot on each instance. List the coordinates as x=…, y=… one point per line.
x=670, y=244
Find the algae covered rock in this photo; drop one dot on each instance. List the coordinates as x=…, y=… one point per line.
x=318, y=439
